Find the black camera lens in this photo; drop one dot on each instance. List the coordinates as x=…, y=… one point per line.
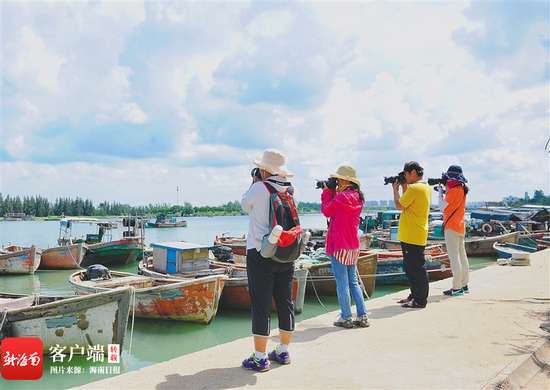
x=256, y=173
x=392, y=179
x=331, y=183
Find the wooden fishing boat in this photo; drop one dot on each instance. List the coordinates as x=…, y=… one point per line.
x=19, y=260
x=190, y=300
x=98, y=319
x=390, y=265
x=166, y=221
x=477, y=246
x=507, y=250
x=237, y=244
x=320, y=278
x=63, y=257
x=119, y=252
x=236, y=297
x=531, y=239
x=101, y=248
x=183, y=259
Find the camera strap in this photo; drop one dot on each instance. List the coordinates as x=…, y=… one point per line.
x=281, y=183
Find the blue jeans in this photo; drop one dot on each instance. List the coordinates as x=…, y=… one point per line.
x=346, y=282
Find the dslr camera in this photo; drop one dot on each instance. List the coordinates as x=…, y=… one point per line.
x=256, y=173
x=392, y=179
x=434, y=182
x=331, y=183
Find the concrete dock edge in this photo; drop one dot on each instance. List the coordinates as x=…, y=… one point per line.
x=490, y=338
x=523, y=369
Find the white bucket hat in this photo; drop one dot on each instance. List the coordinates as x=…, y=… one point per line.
x=273, y=161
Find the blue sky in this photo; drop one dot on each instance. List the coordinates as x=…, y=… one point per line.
x=126, y=101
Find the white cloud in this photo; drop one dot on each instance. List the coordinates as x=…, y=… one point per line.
x=132, y=114
x=368, y=84
x=270, y=24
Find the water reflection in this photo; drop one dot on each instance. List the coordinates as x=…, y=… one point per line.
x=20, y=284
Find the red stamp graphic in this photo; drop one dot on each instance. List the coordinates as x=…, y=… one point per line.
x=21, y=358
x=114, y=353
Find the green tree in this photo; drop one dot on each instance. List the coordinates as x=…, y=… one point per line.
x=8, y=205
x=17, y=205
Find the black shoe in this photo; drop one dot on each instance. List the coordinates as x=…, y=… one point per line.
x=413, y=304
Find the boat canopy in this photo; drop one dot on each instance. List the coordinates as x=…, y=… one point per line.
x=69, y=220
x=180, y=245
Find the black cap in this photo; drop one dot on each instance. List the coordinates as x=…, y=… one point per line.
x=412, y=165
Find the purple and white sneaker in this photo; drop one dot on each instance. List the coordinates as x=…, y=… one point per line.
x=282, y=358
x=257, y=365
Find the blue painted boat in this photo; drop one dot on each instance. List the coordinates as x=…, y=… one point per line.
x=508, y=250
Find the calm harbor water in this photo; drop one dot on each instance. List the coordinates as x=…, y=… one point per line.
x=149, y=341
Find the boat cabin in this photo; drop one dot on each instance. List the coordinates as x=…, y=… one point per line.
x=180, y=257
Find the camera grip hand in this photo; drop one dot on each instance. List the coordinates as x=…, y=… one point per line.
x=440, y=190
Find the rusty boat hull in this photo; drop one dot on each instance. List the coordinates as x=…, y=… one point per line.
x=63, y=257
x=98, y=319
x=189, y=300
x=18, y=260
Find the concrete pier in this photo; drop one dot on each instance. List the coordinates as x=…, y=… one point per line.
x=490, y=338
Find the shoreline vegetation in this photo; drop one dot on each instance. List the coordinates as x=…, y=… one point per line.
x=39, y=208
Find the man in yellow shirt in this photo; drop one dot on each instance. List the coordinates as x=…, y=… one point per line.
x=413, y=231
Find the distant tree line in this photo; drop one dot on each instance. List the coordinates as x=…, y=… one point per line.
x=538, y=199
x=42, y=207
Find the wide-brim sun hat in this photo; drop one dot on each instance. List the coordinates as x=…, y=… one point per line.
x=346, y=172
x=455, y=173
x=273, y=161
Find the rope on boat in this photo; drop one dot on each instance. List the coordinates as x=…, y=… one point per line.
x=361, y=284
x=132, y=299
x=4, y=316
x=330, y=278
x=315, y=290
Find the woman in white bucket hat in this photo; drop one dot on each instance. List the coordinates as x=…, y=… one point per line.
x=267, y=279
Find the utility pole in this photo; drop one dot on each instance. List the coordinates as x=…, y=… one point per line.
x=177, y=195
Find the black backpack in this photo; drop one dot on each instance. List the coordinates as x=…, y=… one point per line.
x=282, y=211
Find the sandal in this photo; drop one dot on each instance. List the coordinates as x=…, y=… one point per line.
x=405, y=300
x=413, y=304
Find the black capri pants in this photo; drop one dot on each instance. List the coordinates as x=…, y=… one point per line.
x=266, y=279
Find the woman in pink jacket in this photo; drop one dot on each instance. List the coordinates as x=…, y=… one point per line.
x=343, y=205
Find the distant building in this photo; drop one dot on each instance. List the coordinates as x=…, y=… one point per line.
x=475, y=205
x=510, y=199
x=371, y=203
x=18, y=217
x=383, y=203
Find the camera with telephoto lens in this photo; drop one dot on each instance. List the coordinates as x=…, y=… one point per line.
x=256, y=173
x=331, y=183
x=392, y=179
x=434, y=182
